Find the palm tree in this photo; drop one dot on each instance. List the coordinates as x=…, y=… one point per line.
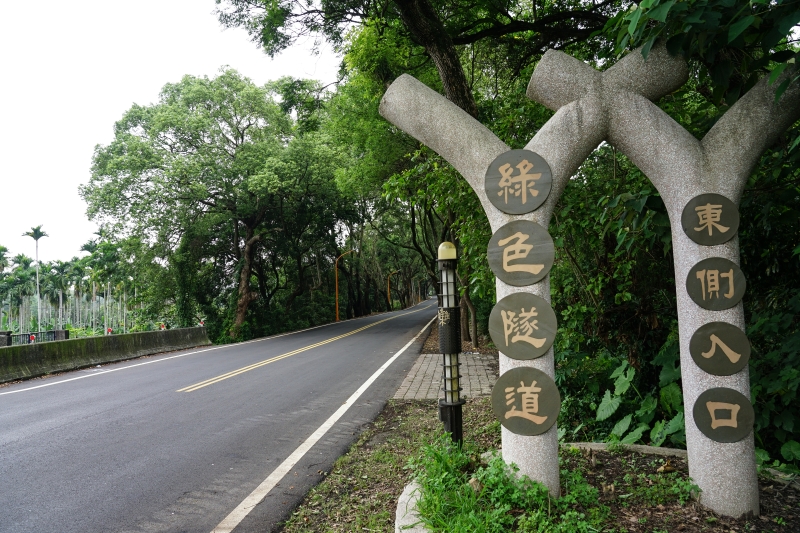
x=4, y=263
x=36, y=233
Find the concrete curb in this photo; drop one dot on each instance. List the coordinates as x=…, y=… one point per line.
x=407, y=520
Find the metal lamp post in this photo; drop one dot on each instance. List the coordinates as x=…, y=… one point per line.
x=450, y=341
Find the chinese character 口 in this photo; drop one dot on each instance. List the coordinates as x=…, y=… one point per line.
x=709, y=216
x=518, y=251
x=521, y=326
x=733, y=408
x=709, y=281
x=519, y=185
x=717, y=342
x=530, y=402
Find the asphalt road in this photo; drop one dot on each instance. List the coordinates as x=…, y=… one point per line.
x=175, y=442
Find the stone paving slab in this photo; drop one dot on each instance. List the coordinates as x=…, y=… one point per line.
x=424, y=380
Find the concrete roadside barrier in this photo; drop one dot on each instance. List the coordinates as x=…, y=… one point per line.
x=34, y=360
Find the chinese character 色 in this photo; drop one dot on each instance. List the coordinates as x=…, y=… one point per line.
x=518, y=251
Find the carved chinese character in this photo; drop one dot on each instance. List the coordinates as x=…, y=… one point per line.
x=515, y=249
x=444, y=316
x=720, y=348
x=715, y=283
x=518, y=181
x=723, y=415
x=526, y=401
x=523, y=326
x=529, y=400
x=521, y=253
x=730, y=421
x=520, y=185
x=710, y=219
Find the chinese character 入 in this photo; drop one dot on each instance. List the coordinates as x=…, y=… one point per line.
x=518, y=251
x=715, y=342
x=709, y=281
x=530, y=402
x=521, y=326
x=709, y=216
x=731, y=422
x=520, y=184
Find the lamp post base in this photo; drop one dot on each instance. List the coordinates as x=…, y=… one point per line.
x=450, y=414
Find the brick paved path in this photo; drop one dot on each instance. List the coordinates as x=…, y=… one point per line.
x=424, y=380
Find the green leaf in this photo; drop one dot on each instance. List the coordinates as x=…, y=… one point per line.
x=671, y=398
x=635, y=435
x=648, y=406
x=669, y=374
x=762, y=456
x=608, y=406
x=674, y=425
x=634, y=20
x=777, y=71
x=739, y=27
x=619, y=370
x=657, y=434
x=660, y=13
x=623, y=383
x=790, y=451
x=622, y=426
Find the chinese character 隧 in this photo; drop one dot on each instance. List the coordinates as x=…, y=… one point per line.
x=732, y=408
x=717, y=342
x=521, y=326
x=709, y=281
x=709, y=216
x=529, y=402
x=516, y=252
x=519, y=185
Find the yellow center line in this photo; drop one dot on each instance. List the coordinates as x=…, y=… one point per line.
x=232, y=373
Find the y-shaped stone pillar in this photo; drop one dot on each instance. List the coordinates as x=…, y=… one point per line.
x=565, y=141
x=681, y=168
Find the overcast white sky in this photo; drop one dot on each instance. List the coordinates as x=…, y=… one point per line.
x=71, y=69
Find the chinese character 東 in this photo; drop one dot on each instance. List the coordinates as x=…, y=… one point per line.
x=516, y=252
x=715, y=342
x=444, y=317
x=709, y=281
x=530, y=402
x=731, y=422
x=519, y=185
x=709, y=216
x=521, y=326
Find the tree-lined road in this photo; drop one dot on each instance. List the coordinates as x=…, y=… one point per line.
x=175, y=442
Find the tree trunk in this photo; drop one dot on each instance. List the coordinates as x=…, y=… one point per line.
x=245, y=294
x=426, y=28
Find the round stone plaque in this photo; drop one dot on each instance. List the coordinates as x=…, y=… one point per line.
x=716, y=284
x=719, y=348
x=523, y=326
x=526, y=401
x=723, y=415
x=710, y=219
x=521, y=253
x=518, y=181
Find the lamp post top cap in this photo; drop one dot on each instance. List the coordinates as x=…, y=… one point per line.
x=447, y=250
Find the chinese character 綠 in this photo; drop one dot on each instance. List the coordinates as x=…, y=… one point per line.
x=516, y=252
x=530, y=402
x=521, y=326
x=444, y=316
x=715, y=341
x=518, y=185
x=709, y=215
x=709, y=280
x=731, y=422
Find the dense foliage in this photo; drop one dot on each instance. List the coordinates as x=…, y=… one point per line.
x=232, y=202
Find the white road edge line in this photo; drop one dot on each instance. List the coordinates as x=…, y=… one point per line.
x=176, y=356
x=249, y=503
